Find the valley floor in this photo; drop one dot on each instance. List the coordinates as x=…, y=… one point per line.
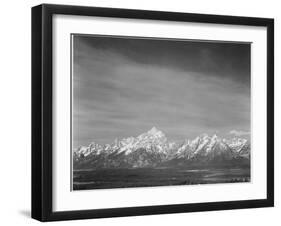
x=150, y=177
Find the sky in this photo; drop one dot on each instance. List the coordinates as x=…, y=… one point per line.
x=124, y=86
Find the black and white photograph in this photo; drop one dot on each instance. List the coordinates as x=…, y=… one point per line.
x=144, y=112
x=158, y=112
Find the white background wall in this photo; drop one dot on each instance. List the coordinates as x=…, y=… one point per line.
x=15, y=118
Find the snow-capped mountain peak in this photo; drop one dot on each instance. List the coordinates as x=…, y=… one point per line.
x=237, y=143
x=154, y=132
x=152, y=148
x=215, y=137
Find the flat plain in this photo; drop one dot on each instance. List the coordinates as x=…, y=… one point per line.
x=150, y=177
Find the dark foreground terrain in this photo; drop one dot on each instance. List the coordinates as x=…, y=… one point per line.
x=149, y=177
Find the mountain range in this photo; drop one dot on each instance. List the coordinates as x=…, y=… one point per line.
x=152, y=149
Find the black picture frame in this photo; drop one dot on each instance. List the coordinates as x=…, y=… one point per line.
x=42, y=107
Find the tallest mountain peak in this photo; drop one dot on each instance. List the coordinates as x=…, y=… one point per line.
x=154, y=130
x=153, y=134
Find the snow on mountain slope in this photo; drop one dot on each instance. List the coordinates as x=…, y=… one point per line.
x=237, y=143
x=152, y=148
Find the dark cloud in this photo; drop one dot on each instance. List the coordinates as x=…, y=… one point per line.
x=123, y=87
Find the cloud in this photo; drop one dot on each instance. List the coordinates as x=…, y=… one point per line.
x=116, y=95
x=239, y=133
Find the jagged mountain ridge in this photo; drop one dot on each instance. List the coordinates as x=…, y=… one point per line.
x=152, y=149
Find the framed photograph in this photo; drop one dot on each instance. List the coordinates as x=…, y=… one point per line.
x=145, y=112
